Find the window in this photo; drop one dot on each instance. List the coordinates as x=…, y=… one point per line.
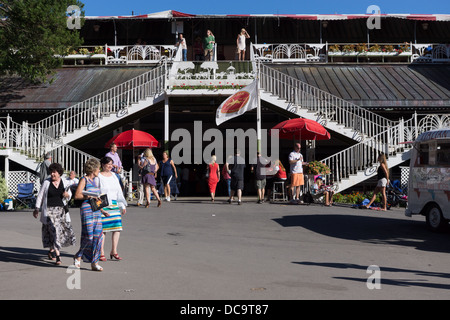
x=423, y=157
x=443, y=154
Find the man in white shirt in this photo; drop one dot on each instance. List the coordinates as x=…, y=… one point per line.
x=296, y=166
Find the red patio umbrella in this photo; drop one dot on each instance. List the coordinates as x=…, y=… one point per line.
x=302, y=129
x=131, y=139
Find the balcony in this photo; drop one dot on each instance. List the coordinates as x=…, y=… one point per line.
x=351, y=53
x=121, y=55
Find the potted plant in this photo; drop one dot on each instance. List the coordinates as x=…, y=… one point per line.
x=348, y=48
x=316, y=167
x=335, y=48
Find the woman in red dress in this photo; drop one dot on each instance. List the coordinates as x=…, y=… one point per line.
x=213, y=176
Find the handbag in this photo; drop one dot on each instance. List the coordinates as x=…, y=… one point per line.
x=98, y=203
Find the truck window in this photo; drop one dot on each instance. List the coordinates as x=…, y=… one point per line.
x=443, y=154
x=424, y=154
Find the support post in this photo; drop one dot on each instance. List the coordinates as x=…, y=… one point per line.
x=166, y=123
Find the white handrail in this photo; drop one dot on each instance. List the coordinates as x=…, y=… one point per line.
x=333, y=108
x=34, y=145
x=363, y=156
x=113, y=101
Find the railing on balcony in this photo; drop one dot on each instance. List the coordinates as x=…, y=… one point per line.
x=122, y=55
x=350, y=52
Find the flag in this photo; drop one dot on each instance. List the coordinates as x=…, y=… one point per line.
x=242, y=101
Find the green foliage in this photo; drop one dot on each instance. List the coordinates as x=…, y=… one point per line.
x=316, y=167
x=3, y=187
x=33, y=34
x=355, y=197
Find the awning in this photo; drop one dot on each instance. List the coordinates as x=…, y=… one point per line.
x=176, y=14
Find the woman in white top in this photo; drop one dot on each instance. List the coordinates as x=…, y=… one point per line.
x=112, y=219
x=240, y=41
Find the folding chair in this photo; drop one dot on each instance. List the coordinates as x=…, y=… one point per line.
x=26, y=195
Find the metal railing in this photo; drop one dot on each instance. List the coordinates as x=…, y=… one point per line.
x=330, y=107
x=363, y=156
x=113, y=101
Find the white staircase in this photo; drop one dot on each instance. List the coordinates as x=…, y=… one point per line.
x=359, y=162
x=374, y=133
x=105, y=108
x=309, y=102
x=27, y=147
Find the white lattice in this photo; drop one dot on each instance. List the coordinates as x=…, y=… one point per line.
x=16, y=177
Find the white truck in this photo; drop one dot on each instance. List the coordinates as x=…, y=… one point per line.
x=429, y=178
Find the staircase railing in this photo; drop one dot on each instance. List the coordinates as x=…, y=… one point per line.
x=363, y=156
x=324, y=104
x=34, y=145
x=113, y=101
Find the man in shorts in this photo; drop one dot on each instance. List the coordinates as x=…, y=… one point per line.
x=296, y=166
x=260, y=176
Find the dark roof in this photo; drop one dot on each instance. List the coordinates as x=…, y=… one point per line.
x=70, y=86
x=379, y=86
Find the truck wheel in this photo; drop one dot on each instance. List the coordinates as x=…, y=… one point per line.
x=435, y=219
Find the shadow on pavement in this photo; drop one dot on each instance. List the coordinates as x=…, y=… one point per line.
x=372, y=229
x=32, y=257
x=395, y=282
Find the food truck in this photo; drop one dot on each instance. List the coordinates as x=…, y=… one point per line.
x=429, y=178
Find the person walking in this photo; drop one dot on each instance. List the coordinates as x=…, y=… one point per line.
x=240, y=42
x=44, y=168
x=227, y=178
x=383, y=180
x=208, y=45
x=57, y=232
x=117, y=163
x=296, y=168
x=91, y=221
x=168, y=172
x=213, y=174
x=149, y=168
x=112, y=214
x=260, y=176
x=237, y=165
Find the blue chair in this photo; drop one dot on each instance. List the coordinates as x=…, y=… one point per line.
x=26, y=195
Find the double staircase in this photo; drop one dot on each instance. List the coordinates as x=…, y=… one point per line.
x=26, y=143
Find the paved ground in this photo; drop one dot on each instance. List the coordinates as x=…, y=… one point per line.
x=193, y=249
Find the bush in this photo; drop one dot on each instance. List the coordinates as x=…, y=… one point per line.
x=3, y=187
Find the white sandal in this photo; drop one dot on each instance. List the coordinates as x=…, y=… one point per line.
x=77, y=263
x=96, y=267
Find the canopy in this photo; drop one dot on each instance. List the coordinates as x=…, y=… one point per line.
x=133, y=139
x=302, y=129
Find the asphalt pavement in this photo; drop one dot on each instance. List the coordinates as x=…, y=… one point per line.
x=192, y=249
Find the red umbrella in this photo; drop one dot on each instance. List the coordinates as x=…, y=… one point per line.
x=133, y=139
x=302, y=129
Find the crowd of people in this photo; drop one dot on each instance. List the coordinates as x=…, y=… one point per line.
x=102, y=177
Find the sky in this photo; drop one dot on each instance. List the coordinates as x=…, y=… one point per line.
x=120, y=7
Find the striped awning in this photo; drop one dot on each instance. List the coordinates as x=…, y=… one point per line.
x=176, y=14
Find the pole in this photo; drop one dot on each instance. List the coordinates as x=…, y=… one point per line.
x=166, y=123
x=258, y=111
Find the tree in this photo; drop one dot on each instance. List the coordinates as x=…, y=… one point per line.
x=34, y=35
